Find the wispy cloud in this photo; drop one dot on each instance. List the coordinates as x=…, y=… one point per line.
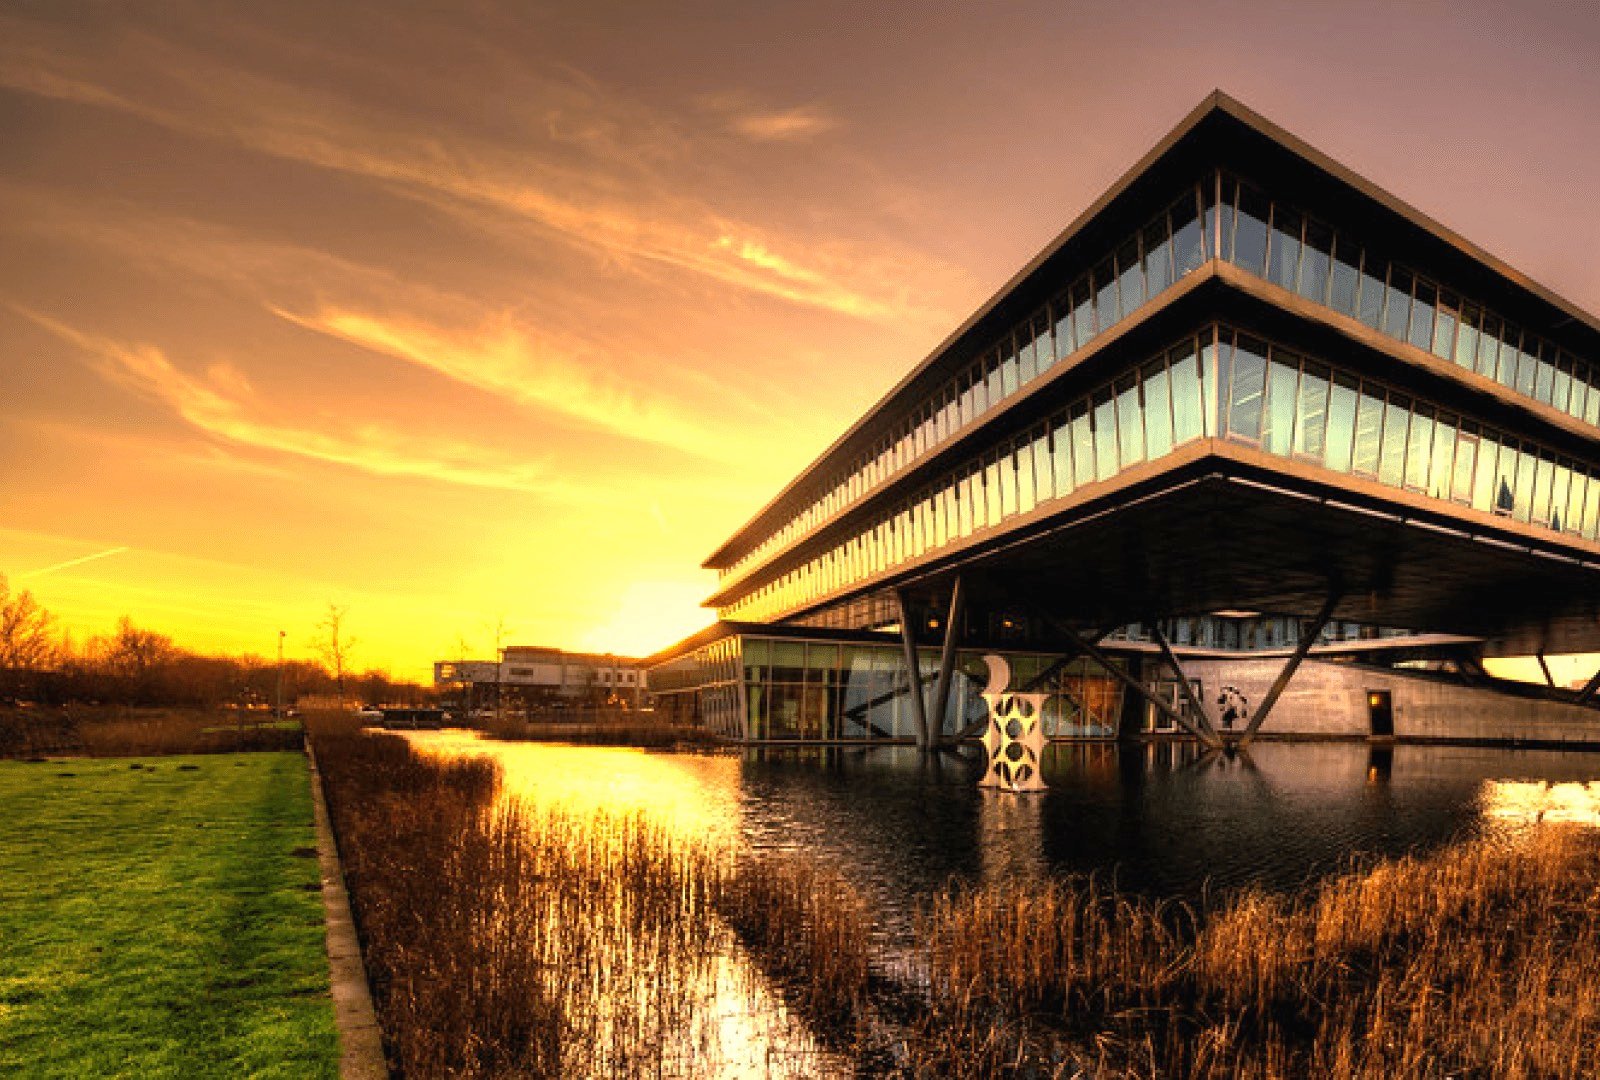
x=213, y=405
x=788, y=125
x=579, y=182
x=505, y=359
x=69, y=563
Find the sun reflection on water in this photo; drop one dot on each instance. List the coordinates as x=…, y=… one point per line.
x=1517, y=803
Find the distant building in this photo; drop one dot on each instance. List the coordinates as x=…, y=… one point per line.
x=540, y=677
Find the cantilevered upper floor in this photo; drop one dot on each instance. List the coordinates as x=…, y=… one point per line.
x=1245, y=377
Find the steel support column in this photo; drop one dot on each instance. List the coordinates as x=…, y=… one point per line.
x=947, y=658
x=1093, y=652
x=1307, y=639
x=1183, y=680
x=908, y=643
x=1586, y=695
x=1549, y=679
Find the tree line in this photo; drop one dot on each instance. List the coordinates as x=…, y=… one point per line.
x=132, y=665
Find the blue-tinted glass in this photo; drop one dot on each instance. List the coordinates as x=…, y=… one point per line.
x=1397, y=305
x=1422, y=316
x=1250, y=232
x=1316, y=263
x=1083, y=326
x=1283, y=258
x=1105, y=299
x=1342, y=290
x=1157, y=256
x=1066, y=344
x=1130, y=271
x=1444, y=327
x=1027, y=366
x=1008, y=371
x=1373, y=291
x=1043, y=347
x=1188, y=241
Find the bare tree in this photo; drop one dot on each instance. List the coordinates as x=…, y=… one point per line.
x=27, y=631
x=334, y=645
x=502, y=630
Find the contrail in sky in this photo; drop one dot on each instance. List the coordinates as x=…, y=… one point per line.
x=74, y=562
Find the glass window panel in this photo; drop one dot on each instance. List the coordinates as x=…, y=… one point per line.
x=1591, y=509
x=1157, y=410
x=1506, y=464
x=1346, y=279
x=1083, y=470
x=1560, y=495
x=1008, y=370
x=1341, y=423
x=1488, y=361
x=1466, y=350
x=1543, y=478
x=1246, y=364
x=1157, y=256
x=1483, y=478
x=1283, y=391
x=994, y=379
x=1083, y=327
x=1066, y=343
x=1527, y=366
x=1130, y=281
x=995, y=493
x=1188, y=242
x=1444, y=448
x=1105, y=435
x=1369, y=307
x=1591, y=409
x=1310, y=421
x=1208, y=383
x=1250, y=232
x=1526, y=464
x=1283, y=258
x=1544, y=380
x=1396, y=420
x=1369, y=429
x=1044, y=356
x=1444, y=327
x=1563, y=387
x=1419, y=448
x=1130, y=421
x=1316, y=262
x=1061, y=453
x=1105, y=303
x=1466, y=459
x=1397, y=306
x=1043, y=478
x=1505, y=371
x=1027, y=494
x=1422, y=311
x=1186, y=405
x=1027, y=367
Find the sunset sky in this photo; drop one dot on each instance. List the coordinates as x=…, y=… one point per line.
x=488, y=309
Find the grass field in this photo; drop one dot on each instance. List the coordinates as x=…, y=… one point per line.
x=160, y=917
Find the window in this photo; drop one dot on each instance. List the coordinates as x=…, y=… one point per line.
x=1341, y=423
x=1130, y=281
x=1105, y=302
x=1422, y=311
x=1157, y=409
x=1311, y=416
x=1083, y=326
x=1105, y=435
x=1188, y=240
x=1187, y=420
x=1130, y=425
x=1397, y=305
x=1283, y=258
x=1157, y=256
x=1419, y=448
x=1369, y=428
x=1061, y=454
x=1283, y=388
x=1249, y=250
x=1488, y=362
x=1391, y=463
x=1066, y=344
x=1246, y=365
x=1483, y=477
x=1346, y=279
x=1316, y=262
x=1444, y=447
x=1444, y=328
x=1466, y=458
x=1083, y=468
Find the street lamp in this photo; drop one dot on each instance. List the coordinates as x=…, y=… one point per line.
x=278, y=710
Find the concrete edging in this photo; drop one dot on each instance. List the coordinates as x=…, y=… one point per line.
x=360, y=1039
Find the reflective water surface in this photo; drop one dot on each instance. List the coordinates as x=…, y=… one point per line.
x=1164, y=820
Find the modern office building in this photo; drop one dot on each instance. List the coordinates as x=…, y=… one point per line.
x=1246, y=401
x=535, y=676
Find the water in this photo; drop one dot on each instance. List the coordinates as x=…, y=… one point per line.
x=1165, y=821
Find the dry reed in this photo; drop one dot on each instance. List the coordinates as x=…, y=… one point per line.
x=128, y=731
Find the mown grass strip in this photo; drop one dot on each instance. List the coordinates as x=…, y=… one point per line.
x=161, y=917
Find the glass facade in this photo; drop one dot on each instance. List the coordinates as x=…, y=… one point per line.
x=1339, y=270
x=1217, y=382
x=785, y=690
x=1133, y=272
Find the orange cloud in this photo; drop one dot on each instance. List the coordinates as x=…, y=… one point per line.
x=790, y=125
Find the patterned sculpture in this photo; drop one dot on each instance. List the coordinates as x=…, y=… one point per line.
x=1014, y=739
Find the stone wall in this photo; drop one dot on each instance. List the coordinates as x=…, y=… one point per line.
x=1327, y=699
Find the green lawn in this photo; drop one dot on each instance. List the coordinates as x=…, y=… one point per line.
x=159, y=917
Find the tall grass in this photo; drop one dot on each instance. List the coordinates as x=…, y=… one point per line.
x=510, y=940
x=128, y=731
x=1480, y=960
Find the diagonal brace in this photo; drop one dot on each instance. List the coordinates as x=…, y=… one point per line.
x=1183, y=680
x=1093, y=652
x=947, y=657
x=908, y=644
x=1308, y=637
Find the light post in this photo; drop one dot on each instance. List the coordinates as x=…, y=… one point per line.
x=278, y=693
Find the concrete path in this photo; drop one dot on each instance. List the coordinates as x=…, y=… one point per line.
x=360, y=1042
